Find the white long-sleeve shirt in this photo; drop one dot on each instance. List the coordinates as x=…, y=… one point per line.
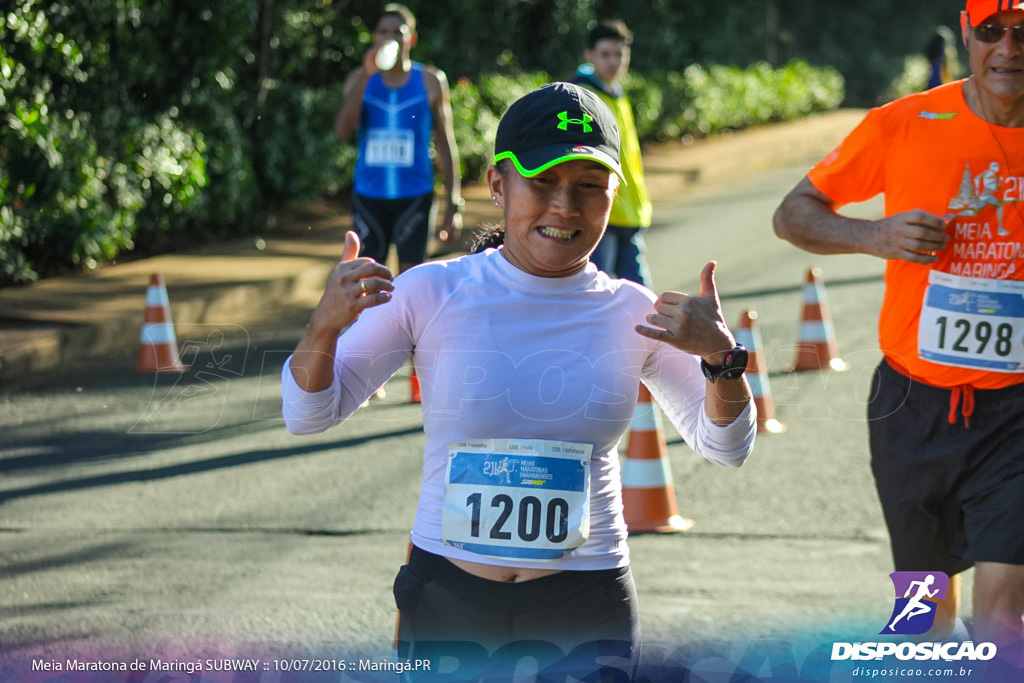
x=502, y=354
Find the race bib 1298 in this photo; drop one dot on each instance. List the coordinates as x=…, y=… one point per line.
x=973, y=323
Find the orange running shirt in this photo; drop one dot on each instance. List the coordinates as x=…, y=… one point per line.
x=929, y=151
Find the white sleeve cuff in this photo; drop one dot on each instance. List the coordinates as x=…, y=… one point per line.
x=307, y=412
x=732, y=444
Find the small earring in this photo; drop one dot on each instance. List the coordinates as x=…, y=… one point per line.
x=495, y=201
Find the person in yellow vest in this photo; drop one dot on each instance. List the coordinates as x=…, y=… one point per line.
x=622, y=251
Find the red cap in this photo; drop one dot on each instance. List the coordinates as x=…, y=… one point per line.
x=979, y=10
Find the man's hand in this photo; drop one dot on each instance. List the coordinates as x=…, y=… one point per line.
x=370, y=60
x=913, y=236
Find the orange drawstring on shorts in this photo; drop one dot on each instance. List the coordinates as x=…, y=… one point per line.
x=962, y=395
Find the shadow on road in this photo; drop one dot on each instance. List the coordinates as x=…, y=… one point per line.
x=182, y=469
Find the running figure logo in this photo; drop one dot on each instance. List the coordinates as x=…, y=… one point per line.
x=914, y=612
x=503, y=468
x=978, y=192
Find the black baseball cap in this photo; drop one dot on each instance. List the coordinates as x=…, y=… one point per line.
x=556, y=123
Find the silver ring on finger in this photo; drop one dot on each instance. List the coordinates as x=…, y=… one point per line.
x=362, y=286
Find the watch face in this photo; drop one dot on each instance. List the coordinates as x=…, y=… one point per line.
x=733, y=373
x=733, y=368
x=737, y=362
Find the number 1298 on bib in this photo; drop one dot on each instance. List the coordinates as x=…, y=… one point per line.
x=972, y=329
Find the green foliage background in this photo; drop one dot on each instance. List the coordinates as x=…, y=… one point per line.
x=142, y=125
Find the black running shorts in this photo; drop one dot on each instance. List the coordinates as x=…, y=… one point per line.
x=952, y=495
x=406, y=223
x=581, y=619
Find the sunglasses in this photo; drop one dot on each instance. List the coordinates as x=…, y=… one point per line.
x=993, y=33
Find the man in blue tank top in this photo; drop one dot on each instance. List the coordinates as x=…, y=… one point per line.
x=395, y=111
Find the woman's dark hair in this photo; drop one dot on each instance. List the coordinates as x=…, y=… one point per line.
x=487, y=236
x=491, y=236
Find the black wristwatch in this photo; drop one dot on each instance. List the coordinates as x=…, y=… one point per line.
x=733, y=368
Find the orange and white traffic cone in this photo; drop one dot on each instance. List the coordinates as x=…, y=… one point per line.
x=749, y=336
x=817, y=348
x=648, y=498
x=414, y=387
x=158, y=347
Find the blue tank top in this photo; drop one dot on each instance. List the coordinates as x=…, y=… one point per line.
x=394, y=139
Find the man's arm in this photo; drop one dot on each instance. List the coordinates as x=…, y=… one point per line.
x=808, y=219
x=347, y=119
x=447, y=153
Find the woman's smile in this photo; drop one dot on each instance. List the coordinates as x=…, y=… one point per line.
x=558, y=233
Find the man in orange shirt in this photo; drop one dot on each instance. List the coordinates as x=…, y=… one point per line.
x=946, y=418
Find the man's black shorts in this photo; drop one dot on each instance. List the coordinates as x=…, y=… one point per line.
x=406, y=223
x=952, y=495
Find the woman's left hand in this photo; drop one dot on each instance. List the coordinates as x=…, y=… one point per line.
x=693, y=324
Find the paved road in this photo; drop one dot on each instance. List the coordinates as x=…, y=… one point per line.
x=154, y=519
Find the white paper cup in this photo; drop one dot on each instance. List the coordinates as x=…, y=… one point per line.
x=387, y=55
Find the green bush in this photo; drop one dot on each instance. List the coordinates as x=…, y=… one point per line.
x=143, y=125
x=475, y=124
x=695, y=103
x=231, y=196
x=476, y=110
x=293, y=141
x=59, y=212
x=914, y=75
x=166, y=158
x=704, y=101
x=99, y=155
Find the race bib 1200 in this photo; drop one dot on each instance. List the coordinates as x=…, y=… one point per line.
x=517, y=498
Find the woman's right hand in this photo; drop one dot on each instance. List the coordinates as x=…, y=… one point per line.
x=354, y=285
